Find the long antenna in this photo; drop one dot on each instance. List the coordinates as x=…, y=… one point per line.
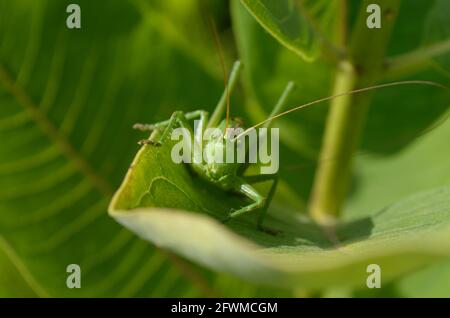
x=222, y=65
x=442, y=119
x=218, y=112
x=370, y=88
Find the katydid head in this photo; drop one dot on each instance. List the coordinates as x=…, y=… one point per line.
x=222, y=154
x=228, y=126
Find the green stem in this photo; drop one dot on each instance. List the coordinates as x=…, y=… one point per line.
x=414, y=60
x=342, y=26
x=331, y=177
x=347, y=114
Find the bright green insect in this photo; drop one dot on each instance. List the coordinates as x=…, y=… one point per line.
x=230, y=176
x=226, y=176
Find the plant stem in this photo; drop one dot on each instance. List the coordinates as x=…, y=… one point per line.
x=411, y=61
x=336, y=147
x=347, y=114
x=343, y=23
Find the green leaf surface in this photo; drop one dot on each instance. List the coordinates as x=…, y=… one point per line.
x=15, y=276
x=165, y=204
x=437, y=31
x=268, y=67
x=432, y=282
x=380, y=181
x=290, y=23
x=68, y=100
x=398, y=116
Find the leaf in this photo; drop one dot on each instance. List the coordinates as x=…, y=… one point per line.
x=437, y=30
x=63, y=96
x=383, y=180
x=68, y=100
x=288, y=21
x=432, y=282
x=154, y=199
x=15, y=276
x=398, y=116
x=268, y=68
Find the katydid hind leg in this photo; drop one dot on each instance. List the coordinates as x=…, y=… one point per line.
x=268, y=200
x=247, y=190
x=259, y=202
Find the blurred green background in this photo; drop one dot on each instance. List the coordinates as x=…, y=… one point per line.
x=69, y=97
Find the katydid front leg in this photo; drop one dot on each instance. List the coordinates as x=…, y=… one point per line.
x=189, y=116
x=177, y=117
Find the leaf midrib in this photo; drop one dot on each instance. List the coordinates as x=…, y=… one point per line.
x=67, y=149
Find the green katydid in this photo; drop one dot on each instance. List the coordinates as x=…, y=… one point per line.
x=227, y=176
x=230, y=176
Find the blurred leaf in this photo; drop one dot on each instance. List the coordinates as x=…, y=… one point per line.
x=432, y=282
x=67, y=105
x=291, y=24
x=399, y=115
x=172, y=18
x=19, y=283
x=268, y=68
x=379, y=181
x=437, y=29
x=406, y=35
x=400, y=238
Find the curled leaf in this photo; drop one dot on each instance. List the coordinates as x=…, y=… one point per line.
x=167, y=205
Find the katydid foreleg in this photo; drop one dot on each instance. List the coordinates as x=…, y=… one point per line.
x=177, y=119
x=189, y=116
